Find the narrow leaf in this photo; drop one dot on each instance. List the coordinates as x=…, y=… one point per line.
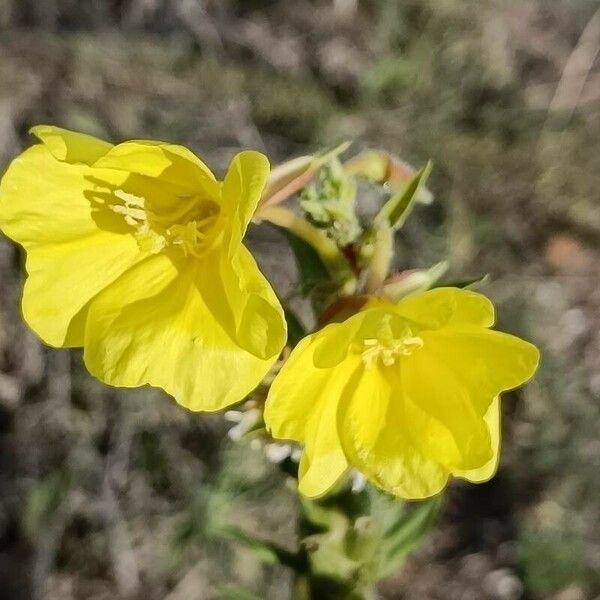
x=411, y=282
x=406, y=533
x=398, y=207
x=311, y=268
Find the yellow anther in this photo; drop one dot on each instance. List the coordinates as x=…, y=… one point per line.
x=130, y=199
x=388, y=350
x=188, y=225
x=132, y=208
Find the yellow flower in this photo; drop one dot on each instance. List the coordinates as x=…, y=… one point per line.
x=135, y=252
x=406, y=393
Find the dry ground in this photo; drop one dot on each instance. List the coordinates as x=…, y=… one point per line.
x=106, y=494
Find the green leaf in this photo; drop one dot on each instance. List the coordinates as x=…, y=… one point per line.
x=311, y=269
x=398, y=207
x=207, y=505
x=406, y=533
x=44, y=501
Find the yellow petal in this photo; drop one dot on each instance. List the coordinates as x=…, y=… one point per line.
x=323, y=461
x=447, y=306
x=71, y=146
x=170, y=163
x=372, y=429
x=246, y=303
x=486, y=362
x=299, y=391
x=429, y=436
x=294, y=393
x=431, y=387
x=152, y=326
x=242, y=189
x=321, y=474
x=487, y=471
x=334, y=342
x=43, y=206
x=338, y=338
x=301, y=406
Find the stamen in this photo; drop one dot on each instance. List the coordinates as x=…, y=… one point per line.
x=132, y=208
x=388, y=350
x=191, y=236
x=187, y=225
x=130, y=199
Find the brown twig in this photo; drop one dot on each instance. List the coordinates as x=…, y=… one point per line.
x=576, y=71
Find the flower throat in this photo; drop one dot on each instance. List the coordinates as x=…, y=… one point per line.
x=190, y=225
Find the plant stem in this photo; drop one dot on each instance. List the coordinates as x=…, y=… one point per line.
x=327, y=249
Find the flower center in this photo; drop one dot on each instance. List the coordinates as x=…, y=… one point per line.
x=188, y=224
x=388, y=349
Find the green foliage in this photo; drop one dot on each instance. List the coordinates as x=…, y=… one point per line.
x=44, y=500
x=551, y=561
x=429, y=66
x=152, y=460
x=207, y=507
x=312, y=271
x=283, y=105
x=405, y=534
x=330, y=203
x=356, y=539
x=389, y=77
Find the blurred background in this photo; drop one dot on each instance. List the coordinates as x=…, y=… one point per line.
x=110, y=494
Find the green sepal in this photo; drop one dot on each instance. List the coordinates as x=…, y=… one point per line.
x=413, y=282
